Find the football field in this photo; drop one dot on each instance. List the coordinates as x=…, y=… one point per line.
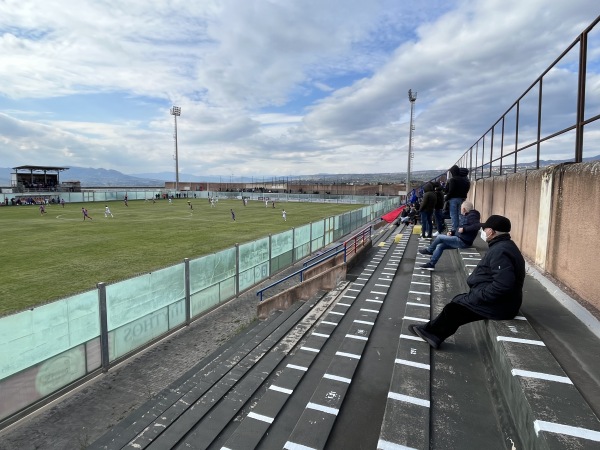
x=48, y=256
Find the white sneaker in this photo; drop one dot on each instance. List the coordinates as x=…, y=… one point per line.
x=435, y=234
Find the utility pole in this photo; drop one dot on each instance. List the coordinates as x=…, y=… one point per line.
x=175, y=112
x=412, y=97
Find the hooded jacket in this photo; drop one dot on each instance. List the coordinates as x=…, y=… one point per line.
x=458, y=185
x=429, y=200
x=497, y=282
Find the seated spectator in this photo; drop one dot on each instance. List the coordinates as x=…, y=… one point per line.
x=464, y=237
x=496, y=287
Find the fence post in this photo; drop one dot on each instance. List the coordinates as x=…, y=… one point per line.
x=293, y=245
x=188, y=297
x=237, y=269
x=270, y=254
x=104, y=356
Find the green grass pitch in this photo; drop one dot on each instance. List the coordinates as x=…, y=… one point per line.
x=57, y=254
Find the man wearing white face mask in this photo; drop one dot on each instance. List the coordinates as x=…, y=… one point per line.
x=496, y=287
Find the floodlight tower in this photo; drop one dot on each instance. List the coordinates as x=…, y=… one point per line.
x=175, y=112
x=412, y=97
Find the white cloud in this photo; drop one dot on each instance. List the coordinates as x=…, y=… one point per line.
x=271, y=87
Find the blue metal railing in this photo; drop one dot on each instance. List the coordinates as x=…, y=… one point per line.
x=301, y=271
x=361, y=236
x=324, y=255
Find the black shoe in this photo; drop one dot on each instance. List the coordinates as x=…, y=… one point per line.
x=427, y=266
x=431, y=339
x=425, y=251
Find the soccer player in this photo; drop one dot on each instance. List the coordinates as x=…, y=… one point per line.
x=283, y=213
x=85, y=214
x=107, y=211
x=232, y=215
x=190, y=204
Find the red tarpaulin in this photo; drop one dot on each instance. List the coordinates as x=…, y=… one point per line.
x=393, y=215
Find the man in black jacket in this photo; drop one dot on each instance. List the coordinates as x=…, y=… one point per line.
x=456, y=192
x=496, y=287
x=426, y=210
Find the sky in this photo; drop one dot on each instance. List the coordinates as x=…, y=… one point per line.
x=274, y=87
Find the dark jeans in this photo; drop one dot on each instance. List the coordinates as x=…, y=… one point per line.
x=452, y=316
x=426, y=223
x=439, y=219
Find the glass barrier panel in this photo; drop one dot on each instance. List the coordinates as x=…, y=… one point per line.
x=140, y=332
x=253, y=253
x=301, y=235
x=329, y=229
x=40, y=380
x=254, y=275
x=282, y=261
x=317, y=235
x=75, y=197
x=302, y=251
x=227, y=289
x=29, y=337
x=137, y=297
x=211, y=269
x=282, y=243
x=205, y=300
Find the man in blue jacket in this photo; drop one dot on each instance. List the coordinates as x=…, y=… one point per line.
x=496, y=287
x=463, y=238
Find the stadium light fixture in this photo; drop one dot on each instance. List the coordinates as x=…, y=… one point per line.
x=176, y=112
x=412, y=97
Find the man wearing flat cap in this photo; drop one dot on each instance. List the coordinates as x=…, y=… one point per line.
x=496, y=287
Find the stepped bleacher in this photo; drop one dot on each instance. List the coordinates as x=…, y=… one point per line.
x=341, y=370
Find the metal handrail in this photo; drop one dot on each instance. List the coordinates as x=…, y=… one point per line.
x=321, y=255
x=344, y=250
x=301, y=272
x=492, y=154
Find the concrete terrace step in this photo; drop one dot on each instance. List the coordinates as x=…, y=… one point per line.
x=407, y=414
x=209, y=382
x=326, y=395
x=548, y=410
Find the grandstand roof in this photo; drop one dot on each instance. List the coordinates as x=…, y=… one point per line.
x=40, y=168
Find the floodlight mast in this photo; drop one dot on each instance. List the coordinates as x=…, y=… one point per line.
x=412, y=97
x=175, y=112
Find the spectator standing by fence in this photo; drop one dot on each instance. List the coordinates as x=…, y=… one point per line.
x=426, y=210
x=456, y=193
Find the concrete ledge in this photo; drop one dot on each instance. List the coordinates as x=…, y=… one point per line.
x=326, y=280
x=547, y=409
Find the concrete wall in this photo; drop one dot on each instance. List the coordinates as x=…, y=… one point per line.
x=555, y=215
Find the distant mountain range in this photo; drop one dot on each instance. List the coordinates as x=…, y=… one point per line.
x=91, y=177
